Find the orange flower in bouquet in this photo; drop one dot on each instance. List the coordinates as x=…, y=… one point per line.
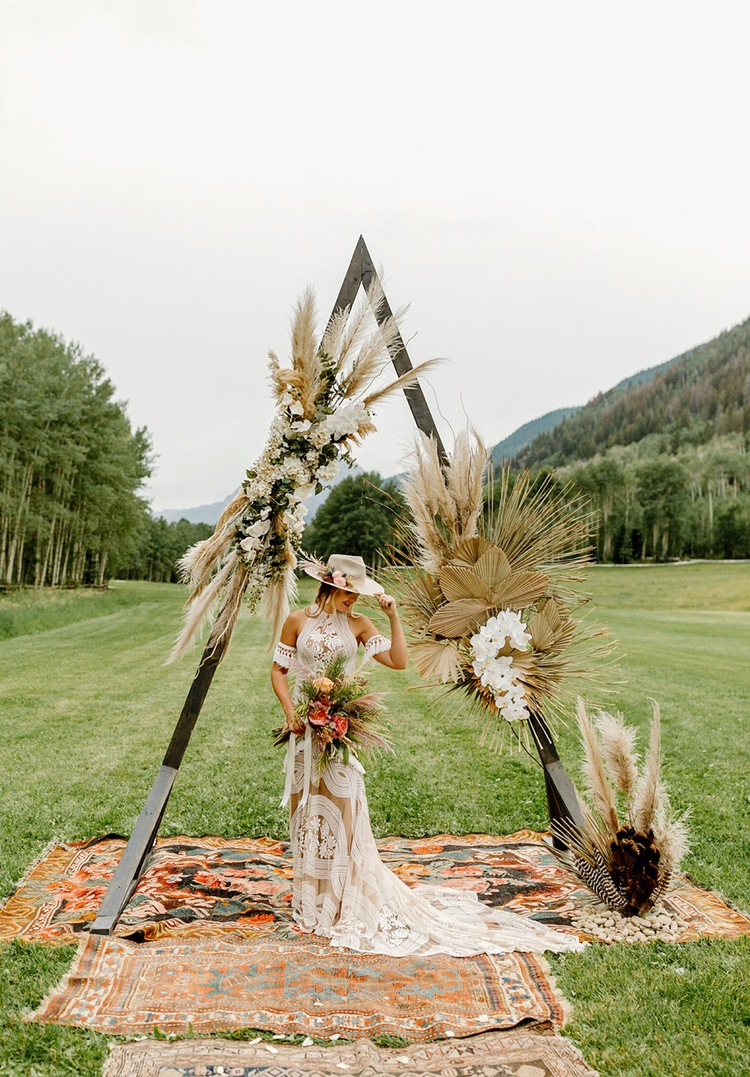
x=340, y=712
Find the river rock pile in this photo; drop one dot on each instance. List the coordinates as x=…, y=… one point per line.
x=600, y=923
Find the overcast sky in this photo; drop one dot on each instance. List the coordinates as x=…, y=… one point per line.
x=559, y=190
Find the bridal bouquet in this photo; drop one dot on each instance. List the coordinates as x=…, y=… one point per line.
x=340, y=712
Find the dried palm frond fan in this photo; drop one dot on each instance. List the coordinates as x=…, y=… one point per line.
x=323, y=401
x=626, y=857
x=490, y=595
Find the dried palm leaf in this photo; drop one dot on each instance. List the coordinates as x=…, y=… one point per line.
x=519, y=590
x=541, y=526
x=469, y=551
x=457, y=581
x=546, y=624
x=492, y=566
x=457, y=619
x=436, y=661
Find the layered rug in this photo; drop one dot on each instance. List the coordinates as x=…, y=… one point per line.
x=516, y=1054
x=210, y=887
x=295, y=987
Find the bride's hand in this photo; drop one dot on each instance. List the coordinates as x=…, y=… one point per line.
x=387, y=604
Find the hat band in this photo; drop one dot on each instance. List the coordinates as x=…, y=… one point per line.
x=338, y=579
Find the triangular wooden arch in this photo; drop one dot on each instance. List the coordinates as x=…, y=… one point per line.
x=561, y=795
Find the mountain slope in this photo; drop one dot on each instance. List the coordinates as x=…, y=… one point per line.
x=699, y=395
x=524, y=435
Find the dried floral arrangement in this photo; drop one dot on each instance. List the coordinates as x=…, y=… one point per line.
x=490, y=595
x=626, y=852
x=324, y=402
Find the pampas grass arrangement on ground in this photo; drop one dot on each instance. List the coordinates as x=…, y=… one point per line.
x=625, y=853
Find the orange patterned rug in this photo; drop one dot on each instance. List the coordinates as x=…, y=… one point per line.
x=500, y=1054
x=299, y=986
x=198, y=887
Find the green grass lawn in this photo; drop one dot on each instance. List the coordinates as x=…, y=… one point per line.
x=87, y=708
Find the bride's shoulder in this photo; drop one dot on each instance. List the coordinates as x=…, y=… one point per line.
x=297, y=619
x=361, y=626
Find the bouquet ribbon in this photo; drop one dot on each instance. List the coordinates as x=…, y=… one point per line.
x=307, y=750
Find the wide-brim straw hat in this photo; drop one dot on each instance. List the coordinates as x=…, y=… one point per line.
x=345, y=572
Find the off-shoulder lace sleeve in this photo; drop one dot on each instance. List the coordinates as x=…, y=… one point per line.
x=284, y=655
x=375, y=645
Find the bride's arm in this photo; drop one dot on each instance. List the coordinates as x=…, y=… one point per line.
x=395, y=656
x=283, y=656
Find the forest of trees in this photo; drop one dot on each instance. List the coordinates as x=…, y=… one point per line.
x=652, y=505
x=702, y=395
x=664, y=464
x=70, y=464
x=158, y=546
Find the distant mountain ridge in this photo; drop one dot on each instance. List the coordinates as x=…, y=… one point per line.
x=701, y=394
x=200, y=514
x=209, y=514
x=561, y=432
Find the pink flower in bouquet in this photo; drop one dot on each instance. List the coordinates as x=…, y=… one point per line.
x=323, y=685
x=318, y=715
x=341, y=725
x=338, y=579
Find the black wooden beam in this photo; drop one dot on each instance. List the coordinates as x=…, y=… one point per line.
x=362, y=271
x=562, y=799
x=141, y=841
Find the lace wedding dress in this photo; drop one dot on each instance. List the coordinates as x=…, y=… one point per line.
x=341, y=888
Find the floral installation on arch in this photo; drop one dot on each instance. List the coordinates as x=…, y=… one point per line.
x=324, y=402
x=490, y=592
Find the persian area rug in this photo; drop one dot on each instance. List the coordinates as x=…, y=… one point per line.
x=494, y=1054
x=200, y=887
x=295, y=987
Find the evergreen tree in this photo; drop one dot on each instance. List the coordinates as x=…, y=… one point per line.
x=360, y=516
x=70, y=465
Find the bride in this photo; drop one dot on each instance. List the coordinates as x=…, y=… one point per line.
x=341, y=889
